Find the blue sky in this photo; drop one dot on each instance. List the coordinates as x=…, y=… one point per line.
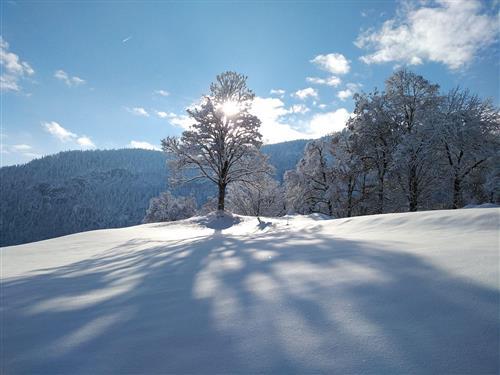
x=83, y=75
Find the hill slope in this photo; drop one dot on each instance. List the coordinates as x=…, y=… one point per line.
x=75, y=191
x=399, y=293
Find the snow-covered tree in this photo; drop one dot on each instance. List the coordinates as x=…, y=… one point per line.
x=166, y=207
x=309, y=186
x=330, y=178
x=262, y=196
x=468, y=132
x=491, y=185
x=350, y=174
x=372, y=126
x=413, y=110
x=223, y=142
x=408, y=147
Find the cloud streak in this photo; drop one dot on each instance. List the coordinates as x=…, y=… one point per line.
x=13, y=68
x=64, y=135
x=70, y=81
x=161, y=93
x=21, y=148
x=143, y=145
x=332, y=81
x=138, y=111
x=277, y=92
x=58, y=131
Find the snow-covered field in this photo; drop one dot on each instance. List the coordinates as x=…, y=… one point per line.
x=398, y=293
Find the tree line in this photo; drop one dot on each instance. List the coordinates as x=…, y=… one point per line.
x=409, y=147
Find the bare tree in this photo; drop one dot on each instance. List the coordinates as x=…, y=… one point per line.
x=222, y=145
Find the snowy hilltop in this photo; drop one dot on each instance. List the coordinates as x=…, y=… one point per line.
x=394, y=293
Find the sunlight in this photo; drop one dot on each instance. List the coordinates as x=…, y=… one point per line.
x=230, y=108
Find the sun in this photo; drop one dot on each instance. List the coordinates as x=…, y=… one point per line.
x=230, y=108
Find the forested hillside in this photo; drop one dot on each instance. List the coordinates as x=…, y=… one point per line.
x=76, y=191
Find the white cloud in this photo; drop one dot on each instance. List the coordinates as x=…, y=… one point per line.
x=67, y=79
x=451, y=32
x=163, y=114
x=77, y=81
x=329, y=81
x=334, y=63
x=276, y=125
x=298, y=108
x=344, y=94
x=326, y=123
x=306, y=93
x=182, y=121
x=138, y=111
x=278, y=92
x=58, y=131
x=22, y=147
x=64, y=135
x=143, y=145
x=85, y=142
x=13, y=69
x=161, y=92
x=274, y=129
x=349, y=91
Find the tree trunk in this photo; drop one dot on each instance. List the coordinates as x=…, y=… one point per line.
x=258, y=206
x=381, y=195
x=457, y=192
x=222, y=197
x=350, y=189
x=413, y=189
x=381, y=185
x=330, y=207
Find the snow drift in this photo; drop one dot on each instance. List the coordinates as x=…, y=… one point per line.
x=397, y=293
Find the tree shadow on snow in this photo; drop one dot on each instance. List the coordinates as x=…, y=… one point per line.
x=279, y=302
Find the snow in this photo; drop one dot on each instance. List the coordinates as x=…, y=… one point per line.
x=396, y=293
x=217, y=220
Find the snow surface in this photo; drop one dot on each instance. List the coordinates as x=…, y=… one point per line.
x=398, y=293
